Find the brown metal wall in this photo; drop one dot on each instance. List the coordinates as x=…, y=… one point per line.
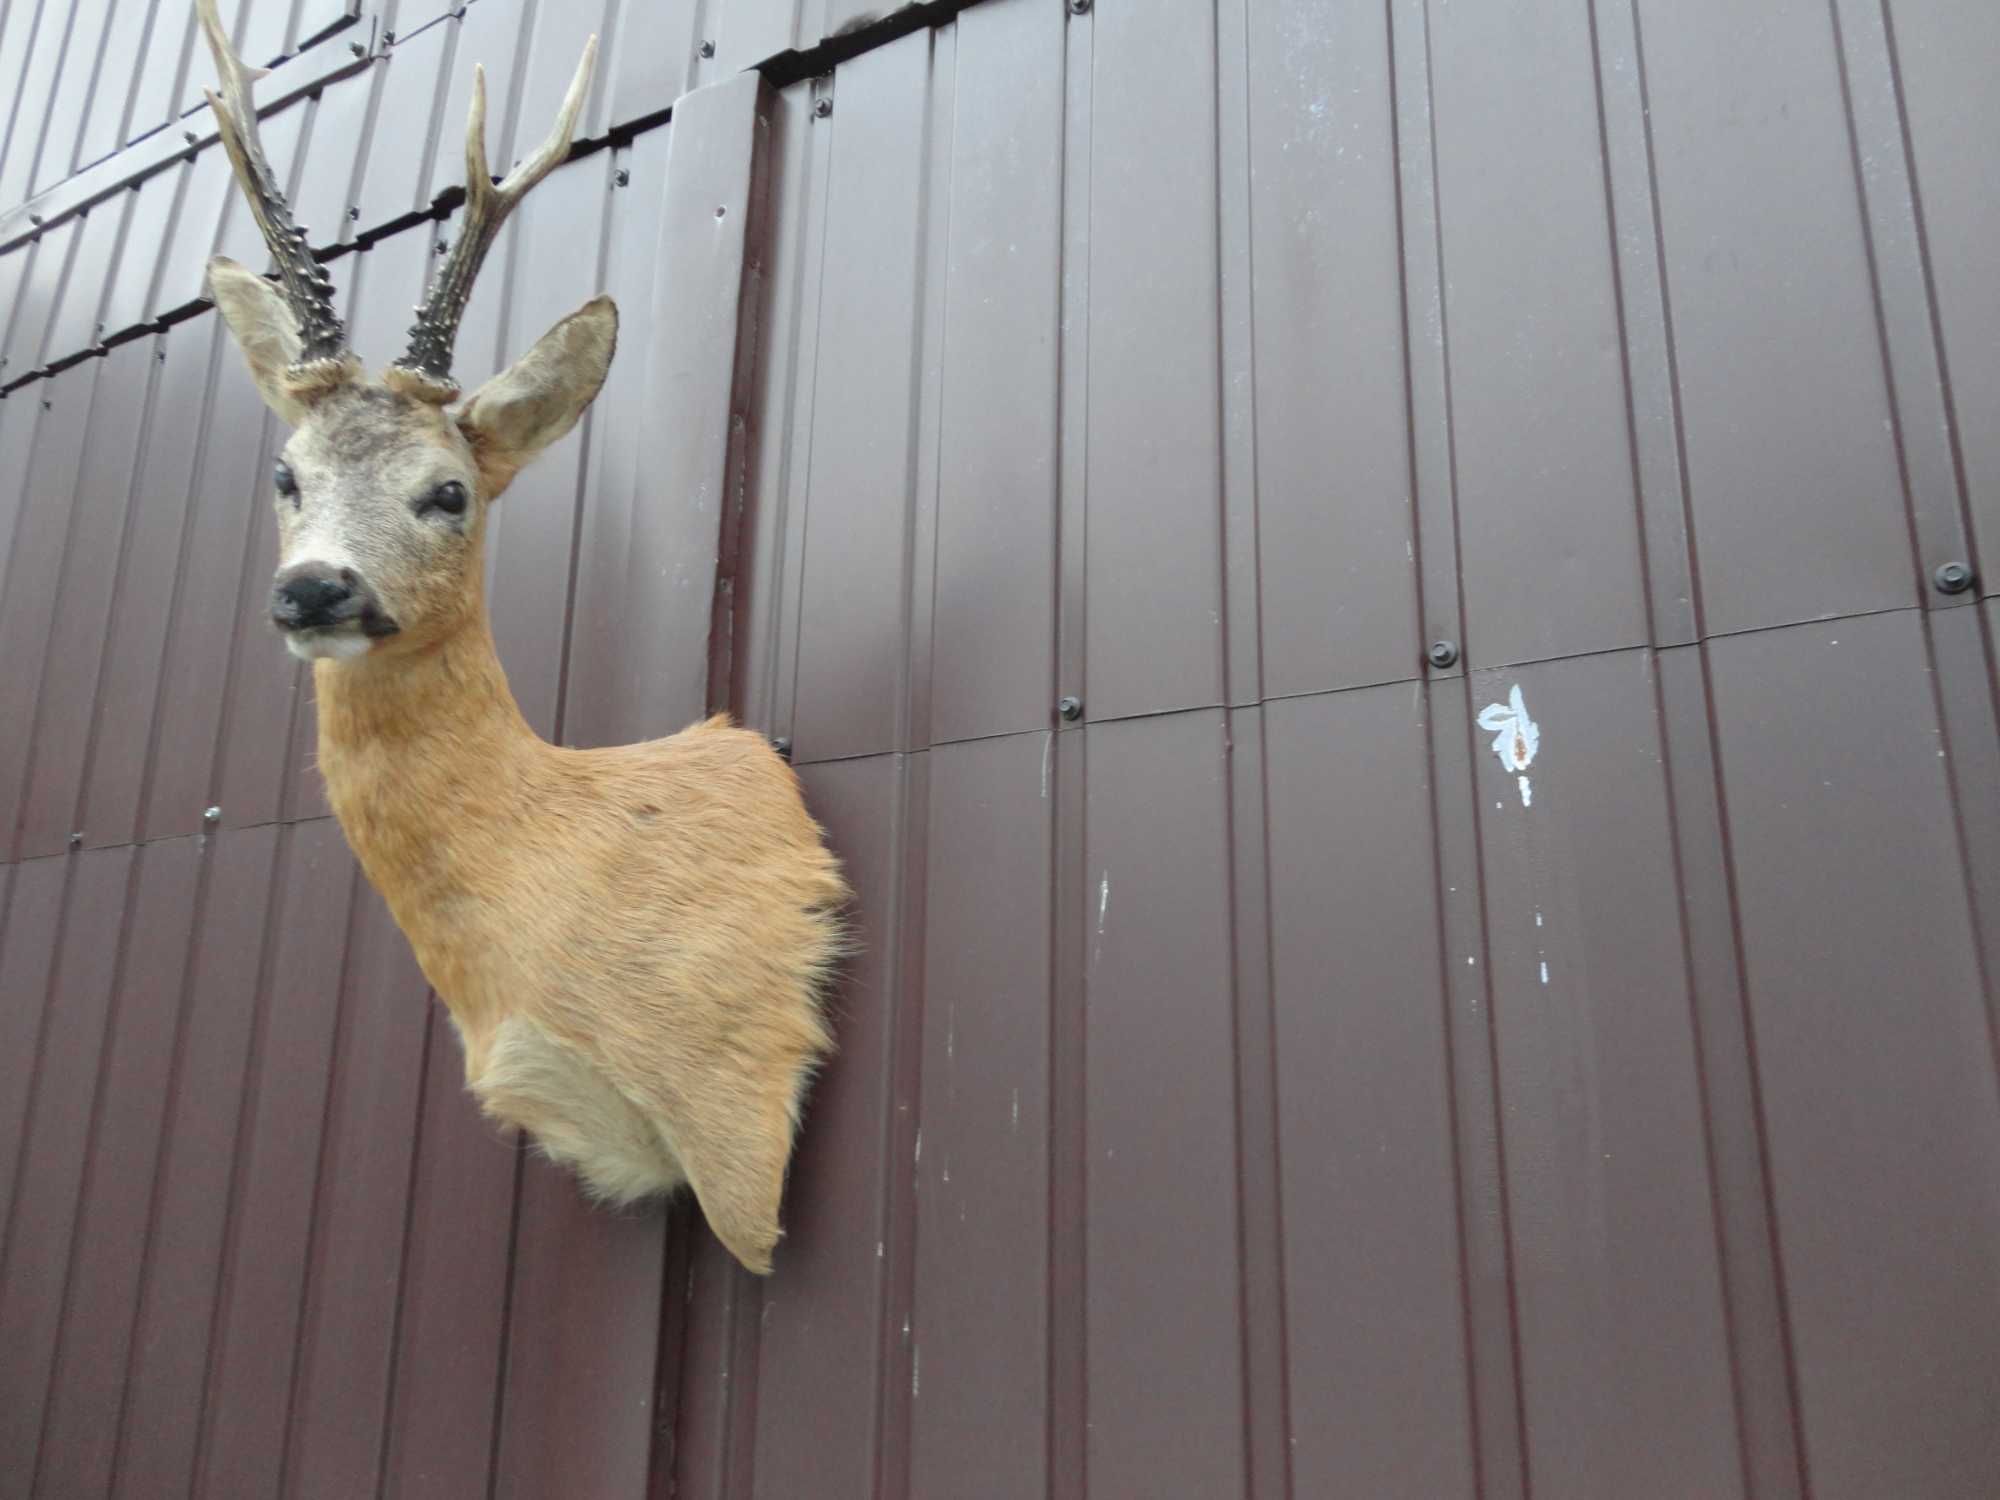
x=1254, y=1088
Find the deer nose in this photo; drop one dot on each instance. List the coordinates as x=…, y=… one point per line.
x=310, y=596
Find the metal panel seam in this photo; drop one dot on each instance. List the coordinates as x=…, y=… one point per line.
x=302, y=1330
x=1731, y=881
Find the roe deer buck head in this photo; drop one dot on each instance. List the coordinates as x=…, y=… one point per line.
x=631, y=940
x=382, y=488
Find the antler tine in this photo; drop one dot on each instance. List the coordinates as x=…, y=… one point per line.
x=307, y=287
x=425, y=369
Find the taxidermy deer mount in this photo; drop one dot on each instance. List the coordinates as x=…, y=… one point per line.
x=631, y=941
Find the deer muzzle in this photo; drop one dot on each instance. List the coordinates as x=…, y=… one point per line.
x=316, y=600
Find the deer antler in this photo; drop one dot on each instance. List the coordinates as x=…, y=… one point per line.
x=425, y=370
x=308, y=291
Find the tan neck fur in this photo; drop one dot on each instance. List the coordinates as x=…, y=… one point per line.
x=428, y=765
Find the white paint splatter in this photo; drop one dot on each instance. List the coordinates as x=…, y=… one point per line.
x=1516, y=737
x=920, y=1143
x=1016, y=1123
x=1538, y=919
x=1527, y=791
x=1471, y=962
x=1103, y=901
x=1545, y=971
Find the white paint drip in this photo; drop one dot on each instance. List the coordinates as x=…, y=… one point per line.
x=916, y=1371
x=1103, y=901
x=1527, y=791
x=1516, y=737
x=1545, y=971
x=1016, y=1122
x=920, y=1143
x=1538, y=919
x=1048, y=752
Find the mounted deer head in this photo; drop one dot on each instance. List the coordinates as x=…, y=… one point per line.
x=382, y=489
x=631, y=942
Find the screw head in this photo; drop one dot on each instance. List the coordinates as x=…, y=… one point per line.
x=357, y=49
x=783, y=745
x=1078, y=7
x=76, y=841
x=1069, y=709
x=623, y=177
x=36, y=219
x=708, y=49
x=212, y=815
x=823, y=106
x=1952, y=577
x=1443, y=654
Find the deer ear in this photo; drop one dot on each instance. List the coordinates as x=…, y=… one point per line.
x=266, y=330
x=519, y=412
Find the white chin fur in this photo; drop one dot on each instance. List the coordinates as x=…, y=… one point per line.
x=341, y=647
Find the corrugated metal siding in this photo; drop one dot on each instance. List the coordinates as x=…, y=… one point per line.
x=1383, y=1133
x=1252, y=1088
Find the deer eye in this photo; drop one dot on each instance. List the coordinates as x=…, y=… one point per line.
x=287, y=482
x=448, y=497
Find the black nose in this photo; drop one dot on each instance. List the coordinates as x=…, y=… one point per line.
x=310, y=598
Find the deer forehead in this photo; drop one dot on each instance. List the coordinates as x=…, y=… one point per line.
x=374, y=432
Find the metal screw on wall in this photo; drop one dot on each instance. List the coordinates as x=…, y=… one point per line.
x=708, y=49
x=1443, y=654
x=211, y=816
x=1078, y=7
x=1952, y=578
x=623, y=177
x=823, y=106
x=1069, y=710
x=783, y=745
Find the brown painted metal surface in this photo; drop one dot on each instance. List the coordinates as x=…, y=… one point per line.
x=1292, y=1076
